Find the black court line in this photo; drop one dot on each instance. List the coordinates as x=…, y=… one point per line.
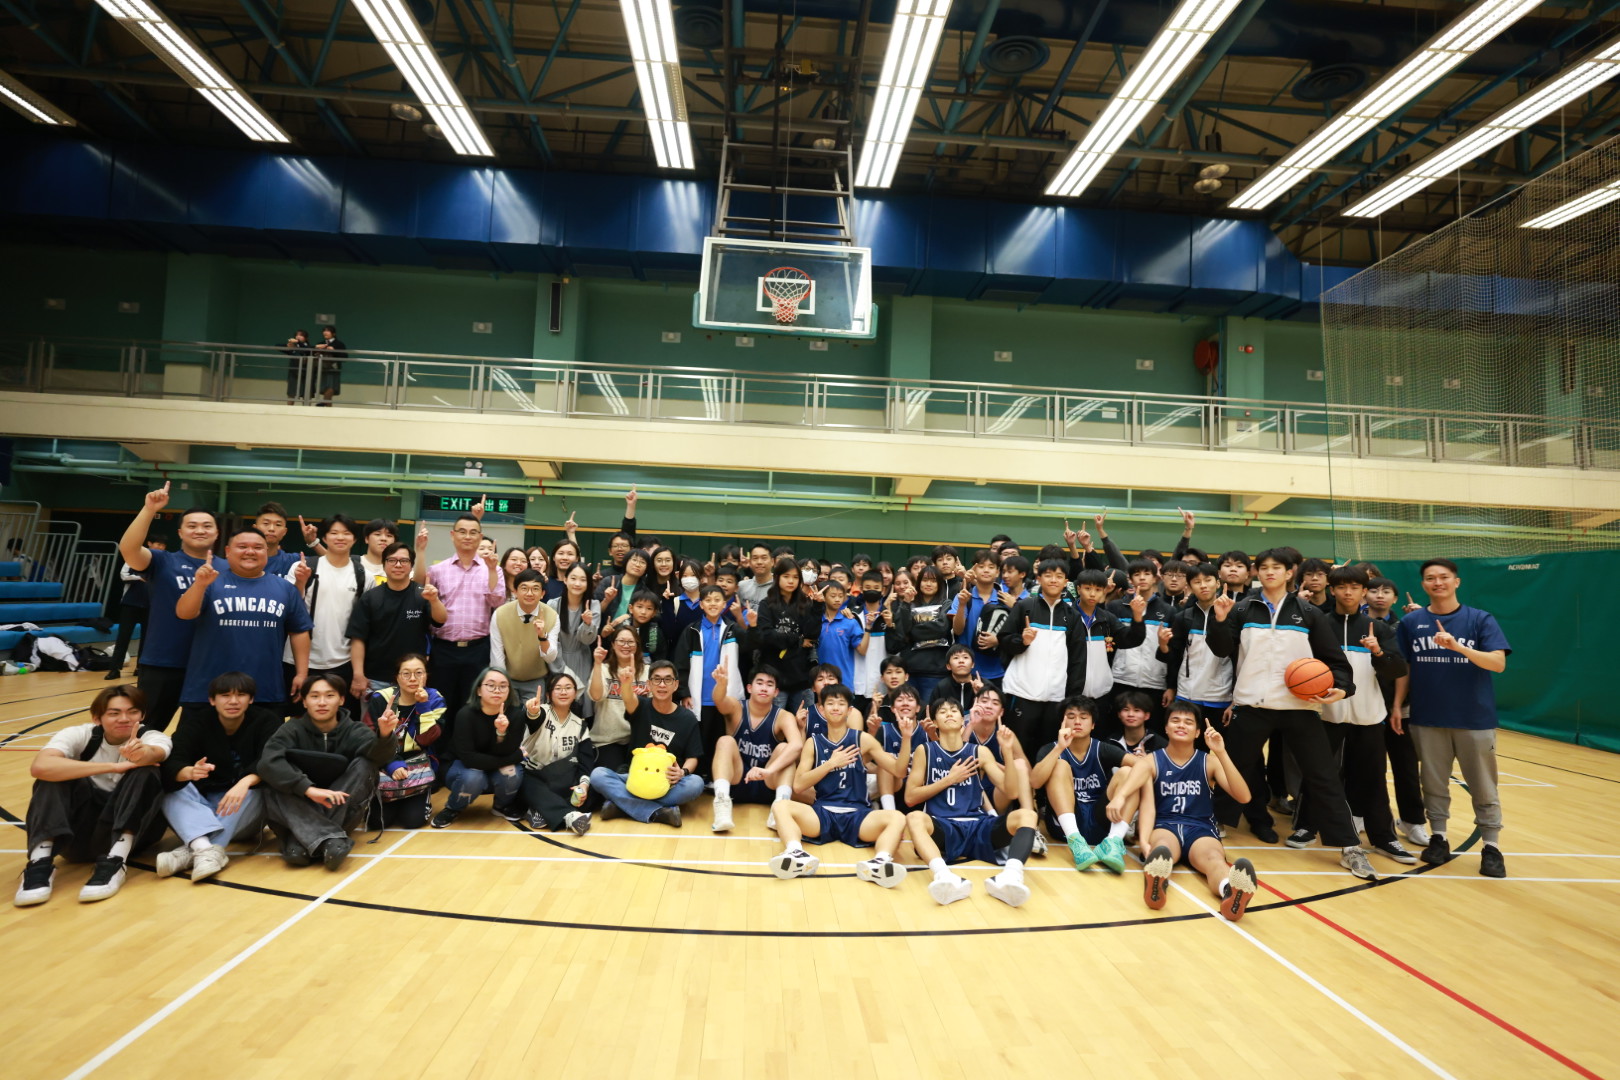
x=543, y=838
x=47, y=697
x=42, y=723
x=1558, y=768
x=552, y=924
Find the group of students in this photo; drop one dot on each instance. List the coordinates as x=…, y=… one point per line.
x=957, y=704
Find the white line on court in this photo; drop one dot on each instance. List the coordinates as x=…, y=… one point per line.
x=224, y=969
x=1394, y=1040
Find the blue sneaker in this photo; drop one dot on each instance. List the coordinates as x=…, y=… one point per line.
x=1084, y=857
x=1111, y=853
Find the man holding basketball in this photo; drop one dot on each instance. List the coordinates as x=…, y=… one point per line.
x=1266, y=632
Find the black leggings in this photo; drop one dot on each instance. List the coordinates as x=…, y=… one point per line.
x=411, y=812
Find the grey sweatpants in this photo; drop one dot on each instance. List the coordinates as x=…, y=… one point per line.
x=1475, y=754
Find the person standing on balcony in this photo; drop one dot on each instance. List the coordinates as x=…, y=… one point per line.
x=297, y=350
x=329, y=368
x=166, y=640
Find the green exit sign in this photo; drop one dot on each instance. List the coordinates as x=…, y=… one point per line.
x=502, y=509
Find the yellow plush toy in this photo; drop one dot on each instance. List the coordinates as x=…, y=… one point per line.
x=647, y=768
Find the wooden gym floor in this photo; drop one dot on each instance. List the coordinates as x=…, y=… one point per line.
x=485, y=950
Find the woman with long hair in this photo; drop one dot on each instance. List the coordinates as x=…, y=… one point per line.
x=487, y=739
x=788, y=628
x=513, y=563
x=557, y=760
x=563, y=556
x=579, y=627
x=923, y=629
x=620, y=662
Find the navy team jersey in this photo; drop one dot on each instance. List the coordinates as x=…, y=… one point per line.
x=846, y=786
x=991, y=744
x=1182, y=794
x=814, y=722
x=963, y=799
x=755, y=742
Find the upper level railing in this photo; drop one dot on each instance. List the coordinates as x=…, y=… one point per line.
x=423, y=381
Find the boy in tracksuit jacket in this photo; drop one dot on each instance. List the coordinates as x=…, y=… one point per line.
x=1355, y=726
x=1141, y=667
x=1193, y=673
x=1054, y=648
x=1266, y=631
x=702, y=645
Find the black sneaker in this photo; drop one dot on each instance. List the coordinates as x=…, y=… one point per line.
x=335, y=850
x=1393, y=849
x=536, y=822
x=667, y=815
x=510, y=813
x=106, y=881
x=1438, y=853
x=610, y=810
x=294, y=853
x=1263, y=833
x=443, y=819
x=37, y=879
x=1301, y=838
x=1490, y=862
x=113, y=676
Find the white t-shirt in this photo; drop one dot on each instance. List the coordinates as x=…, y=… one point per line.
x=334, y=600
x=374, y=573
x=72, y=741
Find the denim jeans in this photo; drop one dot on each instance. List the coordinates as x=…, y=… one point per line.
x=610, y=785
x=193, y=815
x=466, y=784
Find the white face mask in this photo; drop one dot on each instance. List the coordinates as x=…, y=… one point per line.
x=690, y=584
x=808, y=576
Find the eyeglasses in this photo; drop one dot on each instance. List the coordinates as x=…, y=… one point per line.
x=468, y=532
x=396, y=562
x=664, y=679
x=494, y=686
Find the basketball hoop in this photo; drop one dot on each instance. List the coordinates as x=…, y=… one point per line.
x=786, y=287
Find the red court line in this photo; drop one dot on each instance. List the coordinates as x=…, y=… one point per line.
x=1444, y=989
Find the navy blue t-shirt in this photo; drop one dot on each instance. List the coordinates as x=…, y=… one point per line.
x=243, y=626
x=167, y=641
x=279, y=563
x=1448, y=689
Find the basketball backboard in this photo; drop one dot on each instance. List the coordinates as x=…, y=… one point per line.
x=823, y=290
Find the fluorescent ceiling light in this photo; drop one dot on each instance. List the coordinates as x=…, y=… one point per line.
x=1438, y=56
x=1574, y=208
x=1191, y=26
x=913, y=41
x=1598, y=68
x=650, y=25
x=30, y=104
x=166, y=41
x=397, y=32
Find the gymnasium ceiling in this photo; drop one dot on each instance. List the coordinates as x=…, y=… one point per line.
x=1015, y=85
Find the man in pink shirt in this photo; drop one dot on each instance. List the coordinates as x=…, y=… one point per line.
x=470, y=587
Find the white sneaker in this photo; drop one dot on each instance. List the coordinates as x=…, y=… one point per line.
x=950, y=889
x=37, y=879
x=578, y=822
x=1039, y=850
x=722, y=813
x=1360, y=825
x=105, y=882
x=792, y=864
x=1417, y=835
x=170, y=863
x=886, y=872
x=1011, y=893
x=208, y=862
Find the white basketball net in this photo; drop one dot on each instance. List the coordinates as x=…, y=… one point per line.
x=786, y=287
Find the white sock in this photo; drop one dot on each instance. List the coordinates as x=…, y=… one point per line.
x=941, y=871
x=42, y=850
x=722, y=788
x=1069, y=826
x=121, y=847
x=1118, y=829
x=881, y=857
x=784, y=791
x=1492, y=844
x=886, y=801
x=1013, y=872
x=1226, y=887
x=200, y=844
x=1436, y=835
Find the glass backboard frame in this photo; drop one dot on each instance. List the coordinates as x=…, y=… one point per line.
x=842, y=306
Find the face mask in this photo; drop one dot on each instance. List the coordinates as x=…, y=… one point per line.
x=690, y=584
x=871, y=596
x=809, y=577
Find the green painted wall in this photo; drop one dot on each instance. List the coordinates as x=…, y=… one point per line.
x=1292, y=350
x=215, y=298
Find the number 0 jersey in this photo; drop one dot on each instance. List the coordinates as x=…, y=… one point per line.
x=962, y=799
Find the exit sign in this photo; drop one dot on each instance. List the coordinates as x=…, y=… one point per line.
x=498, y=509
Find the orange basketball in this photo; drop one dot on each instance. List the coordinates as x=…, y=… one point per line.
x=1308, y=677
